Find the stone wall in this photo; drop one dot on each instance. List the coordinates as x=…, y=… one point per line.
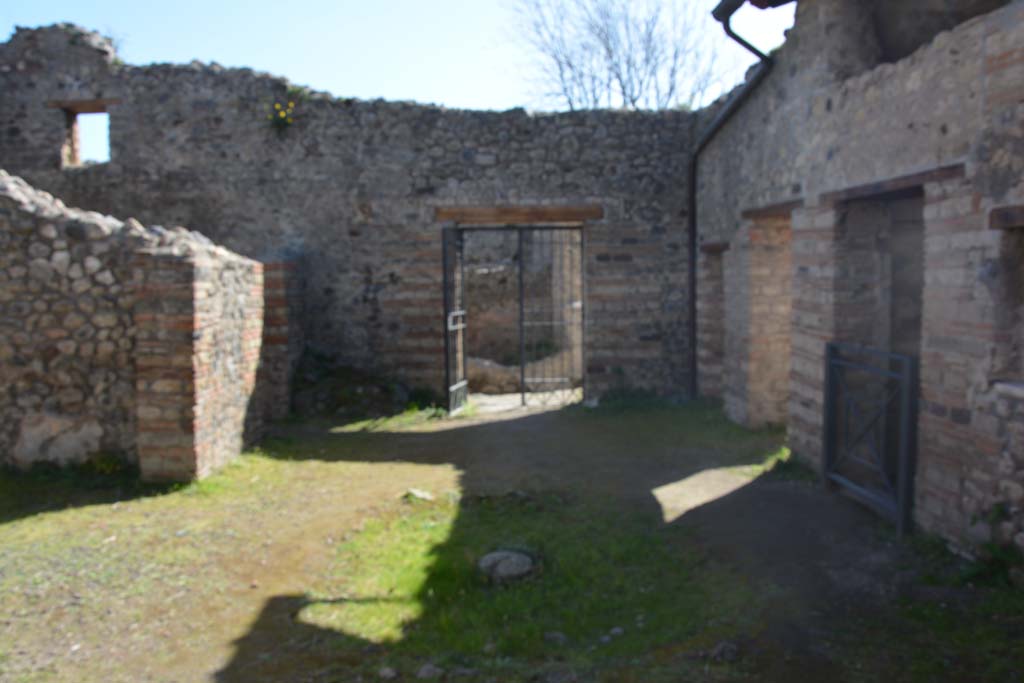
x=131, y=342
x=352, y=187
x=66, y=327
x=832, y=134
x=491, y=291
x=996, y=502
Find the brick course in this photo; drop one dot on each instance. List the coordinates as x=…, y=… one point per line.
x=351, y=192
x=851, y=143
x=148, y=344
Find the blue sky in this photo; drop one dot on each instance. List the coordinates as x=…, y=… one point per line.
x=457, y=53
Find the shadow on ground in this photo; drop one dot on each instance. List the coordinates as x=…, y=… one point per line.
x=667, y=553
x=47, y=488
x=682, y=553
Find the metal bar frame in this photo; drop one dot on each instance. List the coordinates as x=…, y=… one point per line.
x=451, y=242
x=520, y=258
x=897, y=506
x=446, y=235
x=456, y=233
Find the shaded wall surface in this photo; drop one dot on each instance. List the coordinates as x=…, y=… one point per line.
x=350, y=189
x=932, y=144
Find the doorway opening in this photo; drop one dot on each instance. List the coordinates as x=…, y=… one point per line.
x=514, y=317
x=871, y=373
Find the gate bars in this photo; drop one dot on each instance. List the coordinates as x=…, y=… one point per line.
x=871, y=427
x=551, y=314
x=455, y=364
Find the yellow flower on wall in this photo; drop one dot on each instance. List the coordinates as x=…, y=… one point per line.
x=282, y=114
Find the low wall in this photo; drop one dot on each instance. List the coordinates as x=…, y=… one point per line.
x=200, y=330
x=66, y=325
x=146, y=344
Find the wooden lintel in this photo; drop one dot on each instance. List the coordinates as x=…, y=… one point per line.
x=780, y=210
x=893, y=185
x=517, y=215
x=96, y=106
x=1007, y=218
x=714, y=247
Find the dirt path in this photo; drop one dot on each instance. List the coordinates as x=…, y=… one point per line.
x=164, y=588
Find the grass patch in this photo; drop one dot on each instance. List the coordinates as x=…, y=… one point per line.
x=964, y=623
x=993, y=567
x=410, y=581
x=982, y=640
x=779, y=464
x=414, y=416
x=694, y=426
x=309, y=534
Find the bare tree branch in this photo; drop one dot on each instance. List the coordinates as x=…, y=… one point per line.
x=639, y=54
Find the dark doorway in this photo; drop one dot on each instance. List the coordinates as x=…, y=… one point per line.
x=871, y=371
x=514, y=316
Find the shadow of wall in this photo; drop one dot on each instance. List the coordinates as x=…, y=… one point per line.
x=583, y=471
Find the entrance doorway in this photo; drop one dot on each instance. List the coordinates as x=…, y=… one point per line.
x=514, y=318
x=871, y=385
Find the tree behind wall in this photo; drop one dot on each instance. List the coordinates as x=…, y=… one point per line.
x=629, y=54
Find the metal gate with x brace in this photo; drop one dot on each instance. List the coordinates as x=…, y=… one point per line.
x=870, y=427
x=544, y=377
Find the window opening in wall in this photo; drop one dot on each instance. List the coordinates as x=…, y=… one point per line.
x=94, y=138
x=514, y=316
x=88, y=139
x=87, y=132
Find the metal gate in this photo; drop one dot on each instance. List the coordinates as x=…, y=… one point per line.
x=454, y=320
x=870, y=427
x=550, y=325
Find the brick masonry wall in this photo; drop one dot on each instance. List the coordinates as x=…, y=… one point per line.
x=771, y=312
x=965, y=349
x=283, y=337
x=813, y=324
x=140, y=343
x=711, y=313
x=165, y=382
x=757, y=324
x=351, y=189
x=228, y=335
x=813, y=133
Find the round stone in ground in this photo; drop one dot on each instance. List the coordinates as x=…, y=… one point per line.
x=504, y=566
x=430, y=670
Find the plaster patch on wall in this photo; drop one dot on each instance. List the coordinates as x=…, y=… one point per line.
x=59, y=439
